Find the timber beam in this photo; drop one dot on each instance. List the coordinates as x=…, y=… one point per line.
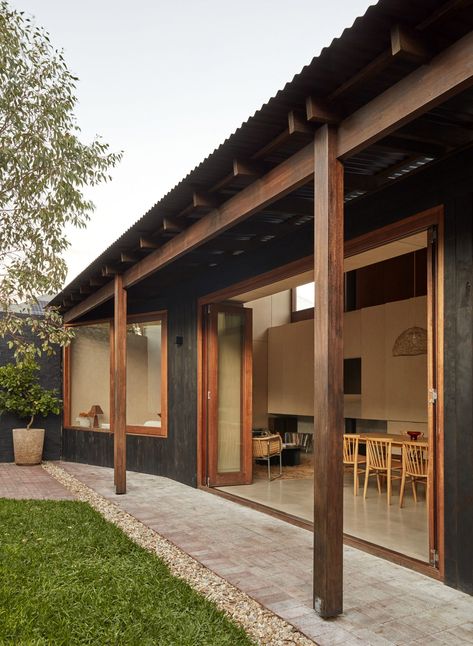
x=404, y=44
x=147, y=243
x=276, y=184
x=99, y=297
x=409, y=45
x=447, y=74
x=110, y=270
x=204, y=201
x=127, y=257
x=319, y=111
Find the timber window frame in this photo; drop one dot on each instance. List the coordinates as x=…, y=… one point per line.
x=131, y=429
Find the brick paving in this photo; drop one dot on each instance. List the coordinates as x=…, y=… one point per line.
x=30, y=482
x=271, y=561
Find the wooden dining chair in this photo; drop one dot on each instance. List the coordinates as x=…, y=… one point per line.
x=415, y=465
x=380, y=462
x=352, y=459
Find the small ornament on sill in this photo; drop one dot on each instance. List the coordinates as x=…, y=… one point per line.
x=94, y=412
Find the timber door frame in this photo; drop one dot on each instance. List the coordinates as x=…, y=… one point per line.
x=417, y=223
x=424, y=221
x=210, y=357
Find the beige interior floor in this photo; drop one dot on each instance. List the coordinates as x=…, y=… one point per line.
x=402, y=530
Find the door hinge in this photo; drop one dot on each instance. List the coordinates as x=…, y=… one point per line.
x=208, y=394
x=434, y=557
x=208, y=481
x=433, y=396
x=432, y=235
x=208, y=309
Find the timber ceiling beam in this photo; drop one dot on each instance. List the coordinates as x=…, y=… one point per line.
x=204, y=201
x=319, y=111
x=409, y=45
x=110, y=270
x=445, y=76
x=99, y=297
x=295, y=128
x=405, y=44
x=127, y=257
x=147, y=243
x=277, y=183
x=169, y=225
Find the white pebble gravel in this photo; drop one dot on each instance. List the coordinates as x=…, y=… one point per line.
x=263, y=626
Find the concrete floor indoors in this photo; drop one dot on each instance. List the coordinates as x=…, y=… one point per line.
x=402, y=530
x=271, y=560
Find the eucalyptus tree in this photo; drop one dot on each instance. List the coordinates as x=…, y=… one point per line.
x=45, y=169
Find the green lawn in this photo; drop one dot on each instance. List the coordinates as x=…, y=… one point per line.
x=69, y=577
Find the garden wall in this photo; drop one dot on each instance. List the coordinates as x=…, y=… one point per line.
x=50, y=377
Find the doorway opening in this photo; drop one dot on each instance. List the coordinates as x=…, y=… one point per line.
x=259, y=375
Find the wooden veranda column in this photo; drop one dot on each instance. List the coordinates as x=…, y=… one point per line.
x=328, y=370
x=119, y=385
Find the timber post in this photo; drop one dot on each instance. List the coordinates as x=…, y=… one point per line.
x=119, y=384
x=328, y=371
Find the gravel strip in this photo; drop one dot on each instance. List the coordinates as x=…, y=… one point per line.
x=263, y=626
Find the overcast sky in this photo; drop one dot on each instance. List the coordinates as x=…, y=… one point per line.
x=168, y=81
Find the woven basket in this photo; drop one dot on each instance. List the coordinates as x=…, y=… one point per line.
x=28, y=445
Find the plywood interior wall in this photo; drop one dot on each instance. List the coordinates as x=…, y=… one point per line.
x=291, y=369
x=393, y=388
x=270, y=311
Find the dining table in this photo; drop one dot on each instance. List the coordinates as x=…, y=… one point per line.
x=397, y=438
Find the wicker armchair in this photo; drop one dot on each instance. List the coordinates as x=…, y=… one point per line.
x=266, y=447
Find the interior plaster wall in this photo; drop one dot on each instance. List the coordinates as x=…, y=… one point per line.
x=268, y=312
x=393, y=388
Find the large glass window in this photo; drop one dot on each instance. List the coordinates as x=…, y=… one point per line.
x=90, y=376
x=146, y=376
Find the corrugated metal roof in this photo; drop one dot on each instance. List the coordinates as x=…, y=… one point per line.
x=368, y=37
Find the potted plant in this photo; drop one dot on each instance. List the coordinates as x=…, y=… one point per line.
x=22, y=394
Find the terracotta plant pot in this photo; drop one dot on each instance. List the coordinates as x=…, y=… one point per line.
x=28, y=445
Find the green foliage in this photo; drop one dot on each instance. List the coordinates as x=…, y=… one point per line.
x=69, y=577
x=22, y=394
x=44, y=169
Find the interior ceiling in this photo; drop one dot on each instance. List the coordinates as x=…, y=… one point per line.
x=371, y=257
x=357, y=74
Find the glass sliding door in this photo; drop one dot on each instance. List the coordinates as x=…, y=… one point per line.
x=229, y=370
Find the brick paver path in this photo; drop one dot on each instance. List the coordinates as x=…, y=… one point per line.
x=272, y=561
x=30, y=482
